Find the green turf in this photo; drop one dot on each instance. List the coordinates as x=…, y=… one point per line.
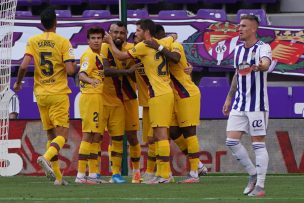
x=212, y=188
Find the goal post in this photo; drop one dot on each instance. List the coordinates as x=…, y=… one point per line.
x=8, y=162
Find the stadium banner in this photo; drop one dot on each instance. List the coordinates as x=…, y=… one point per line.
x=207, y=43
x=285, y=145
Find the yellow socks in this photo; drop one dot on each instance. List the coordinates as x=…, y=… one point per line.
x=54, y=148
x=182, y=144
x=84, y=152
x=193, y=152
x=93, y=158
x=135, y=152
x=55, y=163
x=164, y=158
x=151, y=159
x=116, y=156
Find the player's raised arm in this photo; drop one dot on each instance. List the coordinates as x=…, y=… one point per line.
x=174, y=56
x=121, y=55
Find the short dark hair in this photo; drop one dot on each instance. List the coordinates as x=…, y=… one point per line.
x=95, y=30
x=121, y=24
x=250, y=17
x=147, y=24
x=158, y=28
x=48, y=18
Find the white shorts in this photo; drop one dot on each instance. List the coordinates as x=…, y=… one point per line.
x=253, y=123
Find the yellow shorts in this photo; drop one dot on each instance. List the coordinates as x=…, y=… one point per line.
x=146, y=126
x=54, y=110
x=160, y=110
x=91, y=109
x=131, y=115
x=186, y=111
x=113, y=118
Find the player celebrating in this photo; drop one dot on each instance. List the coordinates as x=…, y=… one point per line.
x=187, y=106
x=161, y=94
x=120, y=100
x=54, y=59
x=91, y=77
x=249, y=112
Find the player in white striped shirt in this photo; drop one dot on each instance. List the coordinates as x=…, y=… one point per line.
x=250, y=109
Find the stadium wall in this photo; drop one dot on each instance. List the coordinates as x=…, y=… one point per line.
x=284, y=141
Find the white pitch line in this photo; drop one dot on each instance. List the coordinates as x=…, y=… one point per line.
x=143, y=199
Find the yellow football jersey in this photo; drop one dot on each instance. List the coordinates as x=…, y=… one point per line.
x=155, y=66
x=142, y=85
x=50, y=51
x=183, y=86
x=112, y=86
x=91, y=64
x=128, y=85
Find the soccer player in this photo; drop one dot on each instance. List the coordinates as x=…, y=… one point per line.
x=250, y=109
x=120, y=100
x=161, y=94
x=54, y=59
x=147, y=132
x=187, y=106
x=91, y=78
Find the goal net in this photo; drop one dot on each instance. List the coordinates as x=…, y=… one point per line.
x=7, y=17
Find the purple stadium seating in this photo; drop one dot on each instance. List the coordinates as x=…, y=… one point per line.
x=283, y=108
x=297, y=97
x=96, y=13
x=260, y=13
x=139, y=13
x=65, y=2
x=214, y=82
x=63, y=13
x=213, y=93
x=182, y=1
x=143, y=1
x=102, y=2
x=29, y=2
x=212, y=14
x=173, y=14
x=24, y=13
x=220, y=1
x=260, y=1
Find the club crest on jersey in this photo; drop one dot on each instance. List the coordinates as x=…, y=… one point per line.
x=221, y=40
x=71, y=51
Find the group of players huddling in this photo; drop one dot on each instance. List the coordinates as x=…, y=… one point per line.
x=111, y=71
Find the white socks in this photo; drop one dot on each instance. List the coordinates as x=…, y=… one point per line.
x=241, y=154
x=261, y=156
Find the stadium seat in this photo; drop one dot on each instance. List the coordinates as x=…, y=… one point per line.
x=23, y=13
x=212, y=14
x=173, y=14
x=29, y=3
x=283, y=108
x=260, y=13
x=214, y=91
x=96, y=13
x=214, y=82
x=297, y=97
x=102, y=2
x=65, y=2
x=143, y=1
x=182, y=1
x=220, y=1
x=260, y=1
x=139, y=13
x=63, y=13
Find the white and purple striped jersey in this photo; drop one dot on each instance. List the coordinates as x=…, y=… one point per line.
x=251, y=94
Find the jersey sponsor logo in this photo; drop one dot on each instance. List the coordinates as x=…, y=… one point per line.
x=85, y=65
x=257, y=123
x=244, y=68
x=71, y=51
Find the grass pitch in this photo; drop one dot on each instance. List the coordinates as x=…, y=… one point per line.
x=212, y=188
